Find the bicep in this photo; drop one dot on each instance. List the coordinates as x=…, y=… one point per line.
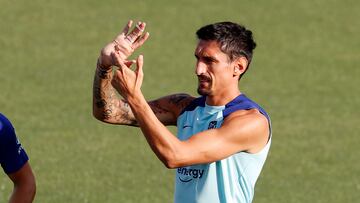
x=168, y=108
x=241, y=133
x=23, y=176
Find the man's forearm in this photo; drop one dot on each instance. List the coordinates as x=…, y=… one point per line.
x=24, y=185
x=160, y=139
x=107, y=107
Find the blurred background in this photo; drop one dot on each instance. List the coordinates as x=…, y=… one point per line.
x=305, y=73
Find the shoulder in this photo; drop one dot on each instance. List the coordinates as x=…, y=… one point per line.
x=249, y=126
x=247, y=114
x=249, y=119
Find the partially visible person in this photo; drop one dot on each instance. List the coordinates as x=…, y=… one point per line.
x=14, y=161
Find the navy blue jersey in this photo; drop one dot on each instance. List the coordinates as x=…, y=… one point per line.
x=12, y=155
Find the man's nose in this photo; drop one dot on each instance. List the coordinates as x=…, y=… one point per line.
x=200, y=68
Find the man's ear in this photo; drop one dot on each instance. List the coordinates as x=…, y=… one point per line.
x=240, y=66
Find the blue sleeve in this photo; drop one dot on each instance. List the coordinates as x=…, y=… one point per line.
x=12, y=155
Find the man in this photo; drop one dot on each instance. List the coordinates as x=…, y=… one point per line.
x=14, y=161
x=223, y=137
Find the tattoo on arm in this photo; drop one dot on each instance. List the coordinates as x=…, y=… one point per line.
x=177, y=98
x=168, y=108
x=180, y=100
x=106, y=106
x=157, y=108
x=126, y=115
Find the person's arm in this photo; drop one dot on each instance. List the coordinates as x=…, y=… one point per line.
x=107, y=106
x=245, y=130
x=24, y=185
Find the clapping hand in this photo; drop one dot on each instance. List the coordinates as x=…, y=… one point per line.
x=123, y=45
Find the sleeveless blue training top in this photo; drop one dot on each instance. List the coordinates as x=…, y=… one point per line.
x=229, y=180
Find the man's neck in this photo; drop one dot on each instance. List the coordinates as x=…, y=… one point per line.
x=223, y=98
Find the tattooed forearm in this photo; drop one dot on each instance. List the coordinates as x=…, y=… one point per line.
x=104, y=74
x=107, y=106
x=127, y=115
x=102, y=93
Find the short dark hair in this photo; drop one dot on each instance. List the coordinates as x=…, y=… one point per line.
x=234, y=39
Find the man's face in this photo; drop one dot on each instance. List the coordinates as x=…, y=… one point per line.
x=213, y=68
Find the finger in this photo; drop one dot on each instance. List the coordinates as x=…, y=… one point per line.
x=140, y=41
x=127, y=27
x=139, y=63
x=136, y=32
x=139, y=70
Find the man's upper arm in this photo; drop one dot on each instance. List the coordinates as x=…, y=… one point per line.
x=168, y=108
x=241, y=131
x=24, y=174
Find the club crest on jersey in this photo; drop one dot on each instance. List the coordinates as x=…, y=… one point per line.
x=212, y=125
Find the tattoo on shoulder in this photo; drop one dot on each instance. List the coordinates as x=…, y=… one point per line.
x=157, y=108
x=180, y=100
x=177, y=98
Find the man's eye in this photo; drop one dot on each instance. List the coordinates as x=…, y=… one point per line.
x=208, y=60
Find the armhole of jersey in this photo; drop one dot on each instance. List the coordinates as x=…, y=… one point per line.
x=244, y=103
x=200, y=101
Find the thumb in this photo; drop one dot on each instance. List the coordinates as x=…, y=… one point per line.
x=139, y=70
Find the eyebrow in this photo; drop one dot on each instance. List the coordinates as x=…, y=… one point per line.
x=207, y=58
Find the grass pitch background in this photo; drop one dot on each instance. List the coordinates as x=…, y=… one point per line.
x=305, y=73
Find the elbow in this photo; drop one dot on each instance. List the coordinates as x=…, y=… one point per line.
x=99, y=116
x=172, y=161
x=170, y=164
x=32, y=189
x=30, y=186
x=98, y=112
x=175, y=155
x=25, y=189
x=96, y=115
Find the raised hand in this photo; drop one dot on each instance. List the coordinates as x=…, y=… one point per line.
x=126, y=81
x=124, y=44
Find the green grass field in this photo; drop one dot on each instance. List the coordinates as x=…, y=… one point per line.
x=305, y=73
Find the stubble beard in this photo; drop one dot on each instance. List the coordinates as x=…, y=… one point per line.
x=204, y=90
